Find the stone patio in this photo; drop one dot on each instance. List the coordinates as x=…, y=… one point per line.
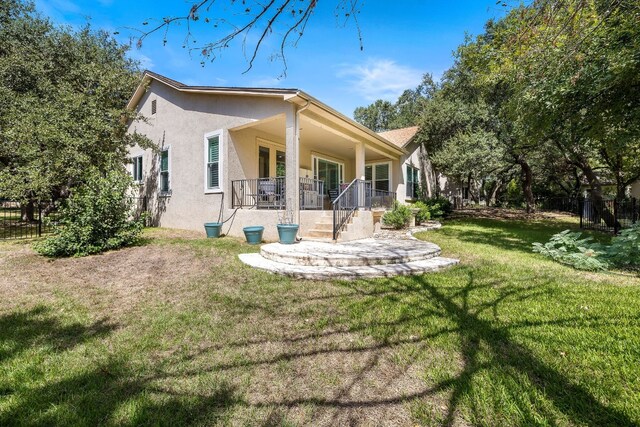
x=397, y=254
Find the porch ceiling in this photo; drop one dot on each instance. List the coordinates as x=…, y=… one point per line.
x=316, y=136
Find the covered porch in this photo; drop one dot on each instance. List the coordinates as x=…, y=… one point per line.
x=305, y=160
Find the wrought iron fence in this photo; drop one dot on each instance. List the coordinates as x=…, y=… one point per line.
x=23, y=221
x=27, y=221
x=261, y=193
x=608, y=215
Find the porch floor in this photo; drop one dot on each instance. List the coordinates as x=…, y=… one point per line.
x=354, y=259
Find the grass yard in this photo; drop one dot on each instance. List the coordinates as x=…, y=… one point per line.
x=178, y=331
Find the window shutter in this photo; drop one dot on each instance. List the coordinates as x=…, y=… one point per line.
x=164, y=160
x=214, y=149
x=368, y=173
x=382, y=172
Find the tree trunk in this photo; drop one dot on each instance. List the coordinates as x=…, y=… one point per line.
x=527, y=183
x=425, y=176
x=494, y=193
x=596, y=194
x=27, y=211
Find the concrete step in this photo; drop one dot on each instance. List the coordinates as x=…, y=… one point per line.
x=323, y=234
x=314, y=272
x=323, y=226
x=364, y=252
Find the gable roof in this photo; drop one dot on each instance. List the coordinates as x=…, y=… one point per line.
x=289, y=95
x=400, y=137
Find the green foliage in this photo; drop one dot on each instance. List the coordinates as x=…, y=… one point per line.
x=584, y=254
x=569, y=248
x=383, y=115
x=439, y=206
x=63, y=96
x=424, y=213
x=398, y=217
x=624, y=250
x=96, y=218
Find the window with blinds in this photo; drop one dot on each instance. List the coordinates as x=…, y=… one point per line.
x=378, y=174
x=164, y=171
x=137, y=168
x=213, y=162
x=413, y=182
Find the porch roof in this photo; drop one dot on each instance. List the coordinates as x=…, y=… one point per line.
x=312, y=106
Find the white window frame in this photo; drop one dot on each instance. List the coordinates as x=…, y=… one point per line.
x=406, y=180
x=373, y=173
x=133, y=169
x=166, y=148
x=221, y=144
x=315, y=157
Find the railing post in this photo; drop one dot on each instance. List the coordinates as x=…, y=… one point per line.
x=581, y=209
x=39, y=220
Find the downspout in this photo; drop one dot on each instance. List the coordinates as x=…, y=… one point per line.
x=297, y=136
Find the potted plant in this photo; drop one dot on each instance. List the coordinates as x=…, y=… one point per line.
x=253, y=234
x=287, y=230
x=213, y=229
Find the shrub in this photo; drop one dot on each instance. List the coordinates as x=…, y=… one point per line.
x=398, y=217
x=424, y=213
x=95, y=218
x=439, y=206
x=584, y=254
x=568, y=248
x=624, y=250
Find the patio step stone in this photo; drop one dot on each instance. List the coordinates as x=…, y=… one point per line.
x=314, y=272
x=365, y=252
x=366, y=258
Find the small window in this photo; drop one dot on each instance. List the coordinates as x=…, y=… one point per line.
x=153, y=106
x=164, y=171
x=137, y=168
x=413, y=182
x=213, y=162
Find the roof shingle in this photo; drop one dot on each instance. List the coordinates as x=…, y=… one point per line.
x=400, y=137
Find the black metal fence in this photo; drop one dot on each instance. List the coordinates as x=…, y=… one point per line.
x=23, y=221
x=27, y=221
x=604, y=215
x=608, y=215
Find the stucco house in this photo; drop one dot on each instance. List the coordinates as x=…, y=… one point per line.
x=251, y=156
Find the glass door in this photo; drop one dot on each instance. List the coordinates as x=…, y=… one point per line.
x=329, y=172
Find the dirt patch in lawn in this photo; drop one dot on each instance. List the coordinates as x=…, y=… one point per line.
x=108, y=284
x=507, y=214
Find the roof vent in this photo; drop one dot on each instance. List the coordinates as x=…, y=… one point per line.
x=153, y=106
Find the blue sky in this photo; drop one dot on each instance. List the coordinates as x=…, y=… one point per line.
x=402, y=39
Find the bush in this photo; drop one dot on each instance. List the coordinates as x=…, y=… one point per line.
x=439, y=206
x=398, y=217
x=423, y=214
x=584, y=254
x=96, y=218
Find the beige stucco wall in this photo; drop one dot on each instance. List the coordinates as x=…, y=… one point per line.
x=180, y=123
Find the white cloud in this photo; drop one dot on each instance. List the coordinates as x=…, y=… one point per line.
x=146, y=63
x=266, y=82
x=380, y=78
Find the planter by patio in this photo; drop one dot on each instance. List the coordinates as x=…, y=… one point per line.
x=213, y=229
x=253, y=234
x=287, y=233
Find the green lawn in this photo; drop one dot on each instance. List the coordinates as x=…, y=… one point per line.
x=178, y=331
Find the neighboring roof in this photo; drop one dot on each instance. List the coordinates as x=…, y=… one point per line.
x=290, y=95
x=400, y=137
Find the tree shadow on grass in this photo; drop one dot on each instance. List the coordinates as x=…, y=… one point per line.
x=513, y=235
x=484, y=346
x=93, y=392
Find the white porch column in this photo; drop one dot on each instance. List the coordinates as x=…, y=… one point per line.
x=360, y=163
x=292, y=162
